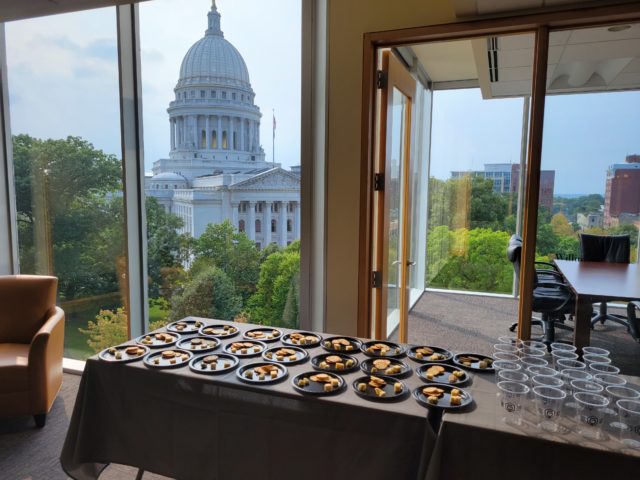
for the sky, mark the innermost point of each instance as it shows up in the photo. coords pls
(583, 134)
(63, 77)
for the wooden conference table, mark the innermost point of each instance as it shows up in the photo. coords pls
(598, 282)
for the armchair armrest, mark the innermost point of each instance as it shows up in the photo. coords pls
(45, 362)
(546, 271)
(553, 267)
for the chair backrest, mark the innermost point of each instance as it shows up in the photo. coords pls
(26, 301)
(514, 252)
(605, 248)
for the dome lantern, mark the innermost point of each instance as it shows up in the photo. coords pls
(214, 21)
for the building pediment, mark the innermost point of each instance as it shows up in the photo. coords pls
(274, 179)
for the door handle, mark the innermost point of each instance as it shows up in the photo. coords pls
(411, 263)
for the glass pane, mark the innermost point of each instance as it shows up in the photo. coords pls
(223, 182)
(64, 100)
(394, 196)
(591, 140)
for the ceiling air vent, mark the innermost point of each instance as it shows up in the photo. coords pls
(492, 54)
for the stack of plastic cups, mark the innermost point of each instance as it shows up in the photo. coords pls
(613, 425)
(629, 411)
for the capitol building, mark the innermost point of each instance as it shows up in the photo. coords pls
(216, 168)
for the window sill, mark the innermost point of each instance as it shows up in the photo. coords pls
(74, 367)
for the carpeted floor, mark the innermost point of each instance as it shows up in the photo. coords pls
(470, 323)
(29, 453)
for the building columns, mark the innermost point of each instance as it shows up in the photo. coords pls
(251, 227)
(184, 132)
(219, 133)
(242, 147)
(283, 224)
(207, 136)
(266, 228)
(172, 123)
(234, 215)
(196, 133)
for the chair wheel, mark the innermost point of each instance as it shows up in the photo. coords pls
(512, 328)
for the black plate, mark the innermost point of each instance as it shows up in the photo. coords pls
(286, 339)
(219, 367)
(395, 350)
(370, 393)
(317, 388)
(156, 343)
(185, 344)
(443, 402)
(191, 326)
(269, 334)
(354, 343)
(367, 367)
(282, 373)
(249, 353)
(300, 354)
(126, 358)
(444, 376)
(412, 353)
(317, 360)
(208, 330)
(474, 365)
(149, 360)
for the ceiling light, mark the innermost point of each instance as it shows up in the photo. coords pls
(619, 28)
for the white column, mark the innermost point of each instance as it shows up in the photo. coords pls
(242, 147)
(234, 215)
(207, 133)
(196, 133)
(296, 221)
(283, 224)
(184, 131)
(219, 133)
(232, 128)
(251, 227)
(266, 227)
(172, 126)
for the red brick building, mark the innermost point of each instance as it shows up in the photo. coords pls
(547, 183)
(622, 191)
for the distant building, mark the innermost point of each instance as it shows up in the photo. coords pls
(505, 179)
(216, 169)
(622, 192)
(590, 220)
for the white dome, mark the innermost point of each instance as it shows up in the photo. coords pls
(213, 60)
(168, 177)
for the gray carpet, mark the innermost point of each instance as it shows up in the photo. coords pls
(29, 453)
(469, 323)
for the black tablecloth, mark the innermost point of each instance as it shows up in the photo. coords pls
(190, 426)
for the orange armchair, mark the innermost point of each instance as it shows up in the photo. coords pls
(31, 346)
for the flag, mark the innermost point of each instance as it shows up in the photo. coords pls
(274, 123)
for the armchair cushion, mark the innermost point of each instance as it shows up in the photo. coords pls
(14, 367)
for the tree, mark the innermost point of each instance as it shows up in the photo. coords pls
(546, 240)
(561, 226)
(210, 294)
(488, 209)
(232, 252)
(276, 299)
(108, 329)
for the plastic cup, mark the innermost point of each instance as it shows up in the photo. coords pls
(505, 347)
(513, 376)
(534, 344)
(512, 397)
(510, 340)
(609, 380)
(596, 368)
(548, 402)
(547, 381)
(630, 416)
(590, 414)
(545, 371)
(571, 364)
(504, 365)
(590, 358)
(557, 355)
(527, 362)
(564, 347)
(511, 357)
(612, 419)
(575, 386)
(595, 351)
(531, 352)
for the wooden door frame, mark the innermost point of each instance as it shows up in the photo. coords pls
(537, 23)
(398, 76)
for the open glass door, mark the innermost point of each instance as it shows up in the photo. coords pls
(392, 225)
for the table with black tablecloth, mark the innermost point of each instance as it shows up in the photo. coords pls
(187, 425)
(478, 444)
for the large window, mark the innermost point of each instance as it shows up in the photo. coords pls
(64, 106)
(224, 243)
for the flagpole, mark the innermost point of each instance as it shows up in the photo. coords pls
(273, 140)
